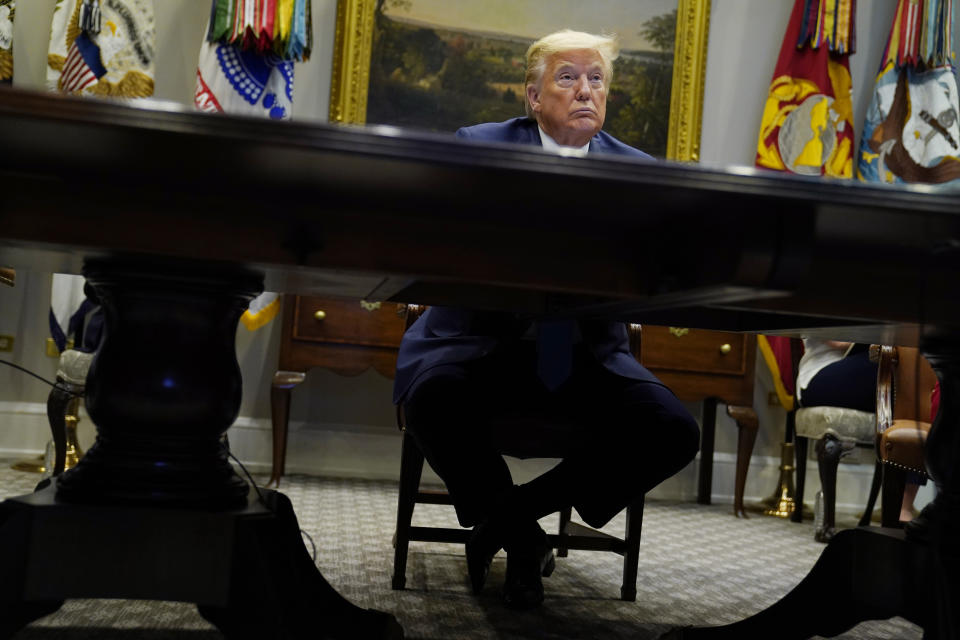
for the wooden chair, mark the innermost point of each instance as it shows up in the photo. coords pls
(63, 406)
(538, 441)
(837, 431)
(65, 399)
(902, 374)
(903, 414)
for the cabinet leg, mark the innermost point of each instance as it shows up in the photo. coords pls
(747, 424)
(280, 392)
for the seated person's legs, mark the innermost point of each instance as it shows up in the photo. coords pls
(629, 436)
(445, 414)
(632, 436)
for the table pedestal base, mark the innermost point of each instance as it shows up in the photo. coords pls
(246, 569)
(868, 573)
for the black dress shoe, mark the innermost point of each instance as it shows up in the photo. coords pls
(527, 561)
(483, 544)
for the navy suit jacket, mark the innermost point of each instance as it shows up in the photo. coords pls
(444, 335)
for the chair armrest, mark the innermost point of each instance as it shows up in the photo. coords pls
(886, 363)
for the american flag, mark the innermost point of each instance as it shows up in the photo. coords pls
(83, 66)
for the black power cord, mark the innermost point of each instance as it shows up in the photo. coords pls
(226, 442)
(55, 385)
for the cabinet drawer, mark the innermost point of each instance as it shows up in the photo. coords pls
(693, 350)
(341, 321)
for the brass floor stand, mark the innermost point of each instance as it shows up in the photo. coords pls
(782, 503)
(74, 452)
(31, 465)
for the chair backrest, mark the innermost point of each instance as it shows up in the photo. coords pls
(905, 381)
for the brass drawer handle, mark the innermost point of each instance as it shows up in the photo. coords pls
(370, 306)
(320, 315)
(679, 332)
(725, 348)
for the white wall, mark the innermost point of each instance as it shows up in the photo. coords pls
(345, 426)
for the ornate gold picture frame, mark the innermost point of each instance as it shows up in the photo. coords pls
(354, 42)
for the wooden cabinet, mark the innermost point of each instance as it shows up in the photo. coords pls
(349, 337)
(345, 336)
(709, 367)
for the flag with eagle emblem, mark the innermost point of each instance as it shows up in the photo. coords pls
(912, 131)
(807, 125)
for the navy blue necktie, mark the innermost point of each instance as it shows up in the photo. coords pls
(555, 351)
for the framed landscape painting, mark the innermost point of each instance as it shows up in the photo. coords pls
(440, 65)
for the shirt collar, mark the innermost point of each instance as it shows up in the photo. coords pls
(549, 144)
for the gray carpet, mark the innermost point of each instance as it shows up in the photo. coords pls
(698, 565)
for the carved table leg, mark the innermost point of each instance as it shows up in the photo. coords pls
(748, 424)
(162, 391)
(280, 391)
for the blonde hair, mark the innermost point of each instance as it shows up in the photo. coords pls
(567, 40)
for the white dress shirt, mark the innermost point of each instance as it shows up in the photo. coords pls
(549, 144)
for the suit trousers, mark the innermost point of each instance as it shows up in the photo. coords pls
(625, 436)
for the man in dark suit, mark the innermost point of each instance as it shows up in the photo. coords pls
(459, 370)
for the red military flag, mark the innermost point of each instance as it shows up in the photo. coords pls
(807, 125)
(777, 353)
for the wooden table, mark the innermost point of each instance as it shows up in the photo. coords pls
(178, 218)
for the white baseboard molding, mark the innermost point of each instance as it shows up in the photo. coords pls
(373, 452)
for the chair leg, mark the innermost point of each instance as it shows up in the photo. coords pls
(562, 547)
(800, 448)
(894, 482)
(631, 556)
(874, 492)
(829, 450)
(411, 468)
(57, 403)
(707, 434)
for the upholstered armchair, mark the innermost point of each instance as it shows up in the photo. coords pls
(903, 414)
(897, 431)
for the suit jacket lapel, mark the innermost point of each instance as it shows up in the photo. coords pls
(533, 133)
